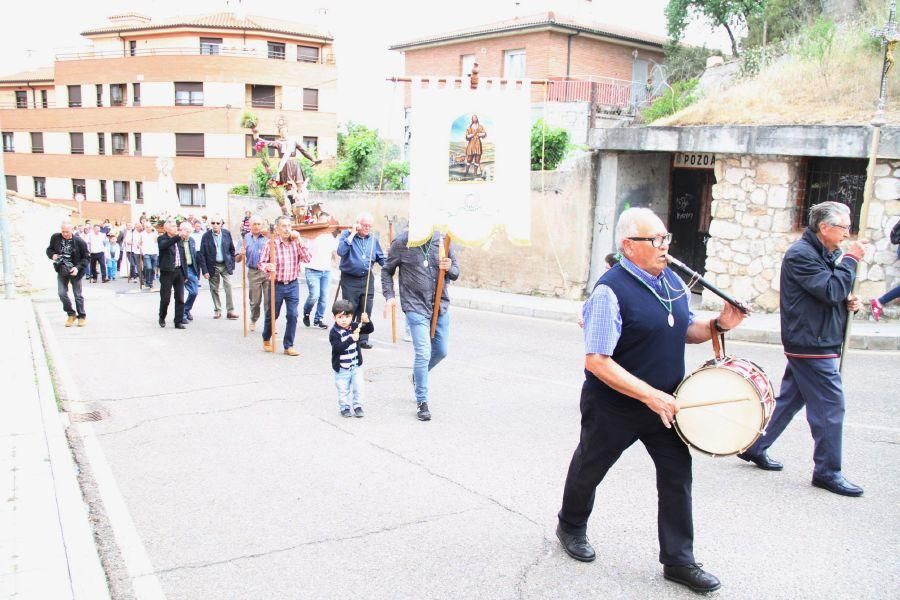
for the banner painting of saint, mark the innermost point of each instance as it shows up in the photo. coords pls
(471, 150)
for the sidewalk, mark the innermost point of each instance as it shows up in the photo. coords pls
(760, 328)
(46, 542)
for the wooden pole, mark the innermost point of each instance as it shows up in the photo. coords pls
(443, 252)
(272, 286)
(244, 282)
(393, 307)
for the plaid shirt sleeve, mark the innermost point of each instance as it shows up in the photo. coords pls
(602, 322)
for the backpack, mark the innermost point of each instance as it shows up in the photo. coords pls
(895, 233)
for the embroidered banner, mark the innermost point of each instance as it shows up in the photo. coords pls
(470, 161)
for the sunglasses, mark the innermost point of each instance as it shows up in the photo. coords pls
(216, 223)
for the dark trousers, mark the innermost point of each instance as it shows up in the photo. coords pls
(890, 296)
(289, 295)
(192, 286)
(167, 281)
(815, 383)
(62, 286)
(98, 266)
(133, 268)
(354, 290)
(606, 432)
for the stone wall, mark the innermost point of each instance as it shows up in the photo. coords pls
(881, 269)
(31, 226)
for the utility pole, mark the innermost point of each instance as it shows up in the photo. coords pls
(5, 244)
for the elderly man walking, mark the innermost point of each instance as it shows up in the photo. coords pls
(150, 251)
(257, 280)
(70, 259)
(359, 250)
(284, 267)
(96, 245)
(171, 274)
(191, 269)
(816, 295)
(217, 264)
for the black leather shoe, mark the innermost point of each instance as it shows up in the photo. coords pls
(693, 577)
(306, 320)
(180, 326)
(576, 546)
(320, 325)
(838, 485)
(762, 461)
(365, 345)
(162, 323)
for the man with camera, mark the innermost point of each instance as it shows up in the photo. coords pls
(70, 259)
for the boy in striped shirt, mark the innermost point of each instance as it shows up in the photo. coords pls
(346, 357)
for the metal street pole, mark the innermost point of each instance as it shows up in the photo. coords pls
(5, 244)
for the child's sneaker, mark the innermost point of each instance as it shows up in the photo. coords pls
(877, 310)
(345, 412)
(359, 411)
(423, 414)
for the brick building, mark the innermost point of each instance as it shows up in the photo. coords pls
(95, 124)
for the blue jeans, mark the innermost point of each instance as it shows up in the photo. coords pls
(192, 286)
(151, 261)
(317, 284)
(112, 269)
(289, 294)
(429, 352)
(349, 384)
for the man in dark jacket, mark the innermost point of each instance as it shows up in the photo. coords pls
(816, 295)
(217, 264)
(171, 274)
(191, 268)
(70, 258)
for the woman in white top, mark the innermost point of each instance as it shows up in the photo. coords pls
(151, 254)
(318, 274)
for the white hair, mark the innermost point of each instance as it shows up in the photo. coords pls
(364, 215)
(185, 225)
(826, 212)
(627, 225)
(172, 221)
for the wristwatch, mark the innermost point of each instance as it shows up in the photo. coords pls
(718, 327)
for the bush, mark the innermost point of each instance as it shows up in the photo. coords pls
(240, 190)
(395, 174)
(677, 97)
(549, 146)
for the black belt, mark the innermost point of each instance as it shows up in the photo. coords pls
(286, 282)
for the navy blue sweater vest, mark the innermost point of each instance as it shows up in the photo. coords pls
(648, 348)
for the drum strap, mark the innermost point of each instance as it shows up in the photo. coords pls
(718, 340)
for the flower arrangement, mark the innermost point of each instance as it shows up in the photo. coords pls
(249, 120)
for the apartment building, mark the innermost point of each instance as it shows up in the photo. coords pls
(153, 102)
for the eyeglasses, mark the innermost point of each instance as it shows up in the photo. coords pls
(656, 241)
(844, 227)
(216, 223)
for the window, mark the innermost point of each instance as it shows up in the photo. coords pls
(273, 152)
(101, 144)
(117, 94)
(138, 149)
(276, 50)
(188, 93)
(262, 96)
(99, 88)
(37, 143)
(76, 143)
(190, 194)
(188, 144)
(120, 143)
(9, 143)
(40, 187)
(308, 54)
(838, 179)
(12, 183)
(21, 99)
(74, 96)
(136, 94)
(120, 191)
(210, 46)
(466, 62)
(102, 190)
(132, 48)
(514, 64)
(78, 187)
(310, 99)
(43, 98)
(311, 144)
(139, 192)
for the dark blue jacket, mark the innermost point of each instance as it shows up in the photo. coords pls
(207, 252)
(814, 293)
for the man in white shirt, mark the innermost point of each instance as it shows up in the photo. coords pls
(318, 274)
(129, 249)
(95, 242)
(151, 254)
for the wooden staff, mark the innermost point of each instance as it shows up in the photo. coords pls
(273, 261)
(393, 306)
(443, 252)
(244, 282)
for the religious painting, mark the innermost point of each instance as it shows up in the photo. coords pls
(471, 149)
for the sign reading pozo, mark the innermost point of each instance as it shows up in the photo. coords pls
(694, 160)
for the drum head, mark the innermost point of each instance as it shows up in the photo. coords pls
(718, 429)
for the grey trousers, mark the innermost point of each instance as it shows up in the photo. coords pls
(258, 284)
(220, 273)
(62, 286)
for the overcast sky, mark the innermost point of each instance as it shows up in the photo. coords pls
(362, 30)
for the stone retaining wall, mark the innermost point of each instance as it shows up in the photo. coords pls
(31, 226)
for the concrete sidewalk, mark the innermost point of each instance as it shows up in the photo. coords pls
(47, 545)
(760, 328)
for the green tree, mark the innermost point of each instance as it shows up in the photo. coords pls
(730, 14)
(779, 20)
(549, 146)
(686, 62)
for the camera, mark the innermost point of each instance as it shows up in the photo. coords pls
(63, 265)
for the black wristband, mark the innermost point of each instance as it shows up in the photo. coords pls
(719, 327)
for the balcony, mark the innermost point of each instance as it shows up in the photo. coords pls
(606, 94)
(198, 50)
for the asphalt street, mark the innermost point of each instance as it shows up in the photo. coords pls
(242, 480)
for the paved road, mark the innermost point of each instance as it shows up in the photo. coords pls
(243, 481)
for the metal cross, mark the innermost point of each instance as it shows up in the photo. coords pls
(888, 36)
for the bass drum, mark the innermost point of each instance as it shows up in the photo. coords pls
(724, 406)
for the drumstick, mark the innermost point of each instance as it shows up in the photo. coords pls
(713, 403)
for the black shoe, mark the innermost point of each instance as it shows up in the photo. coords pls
(306, 320)
(358, 411)
(345, 412)
(188, 317)
(762, 461)
(180, 326)
(423, 414)
(838, 485)
(576, 546)
(693, 577)
(162, 322)
(365, 345)
(320, 325)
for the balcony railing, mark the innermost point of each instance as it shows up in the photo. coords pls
(604, 92)
(325, 59)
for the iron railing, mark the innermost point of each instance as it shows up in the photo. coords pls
(603, 92)
(204, 50)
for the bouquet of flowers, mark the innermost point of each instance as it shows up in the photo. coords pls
(249, 120)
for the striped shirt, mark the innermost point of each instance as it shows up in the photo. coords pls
(288, 258)
(349, 357)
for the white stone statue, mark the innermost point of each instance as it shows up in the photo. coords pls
(166, 195)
